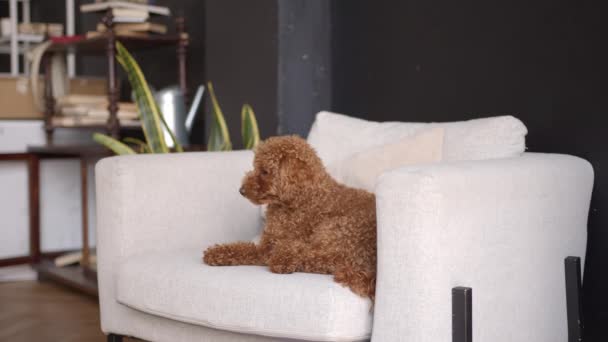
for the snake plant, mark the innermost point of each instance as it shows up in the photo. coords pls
(249, 127)
(219, 137)
(113, 144)
(153, 122)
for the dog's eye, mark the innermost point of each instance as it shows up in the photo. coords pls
(264, 172)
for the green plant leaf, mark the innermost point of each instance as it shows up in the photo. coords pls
(143, 147)
(112, 144)
(219, 137)
(249, 127)
(149, 113)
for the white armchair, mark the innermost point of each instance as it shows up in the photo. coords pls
(502, 226)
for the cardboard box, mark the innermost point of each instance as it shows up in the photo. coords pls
(16, 100)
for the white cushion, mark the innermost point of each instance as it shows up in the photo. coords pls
(337, 136)
(245, 299)
(362, 169)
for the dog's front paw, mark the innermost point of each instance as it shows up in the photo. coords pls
(232, 254)
(215, 255)
(221, 255)
(283, 263)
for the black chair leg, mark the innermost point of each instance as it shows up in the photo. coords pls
(574, 298)
(114, 338)
(462, 299)
(462, 314)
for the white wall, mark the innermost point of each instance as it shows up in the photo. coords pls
(14, 240)
(60, 206)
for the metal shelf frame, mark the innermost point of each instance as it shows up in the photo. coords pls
(16, 47)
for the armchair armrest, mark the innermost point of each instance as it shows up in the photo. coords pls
(502, 227)
(154, 202)
(160, 202)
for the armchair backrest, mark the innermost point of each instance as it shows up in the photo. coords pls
(337, 136)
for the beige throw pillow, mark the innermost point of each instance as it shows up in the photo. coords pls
(361, 170)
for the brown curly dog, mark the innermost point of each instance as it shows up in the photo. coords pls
(313, 223)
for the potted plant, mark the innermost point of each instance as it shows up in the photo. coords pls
(153, 122)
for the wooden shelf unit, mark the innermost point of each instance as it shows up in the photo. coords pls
(98, 45)
(106, 44)
(81, 277)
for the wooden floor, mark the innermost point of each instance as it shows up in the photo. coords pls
(31, 311)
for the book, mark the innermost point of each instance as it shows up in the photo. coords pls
(129, 34)
(101, 6)
(68, 259)
(129, 15)
(32, 38)
(88, 107)
(79, 104)
(73, 258)
(54, 30)
(79, 110)
(32, 28)
(76, 121)
(135, 27)
(122, 114)
(81, 99)
(97, 113)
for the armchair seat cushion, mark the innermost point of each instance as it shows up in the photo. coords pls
(244, 299)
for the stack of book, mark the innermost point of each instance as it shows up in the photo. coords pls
(131, 18)
(29, 32)
(87, 110)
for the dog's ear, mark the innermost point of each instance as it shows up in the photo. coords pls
(295, 169)
(294, 174)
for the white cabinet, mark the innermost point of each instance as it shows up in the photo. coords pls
(60, 206)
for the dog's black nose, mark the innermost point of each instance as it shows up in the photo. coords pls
(242, 191)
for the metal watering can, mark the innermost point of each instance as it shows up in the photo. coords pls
(172, 104)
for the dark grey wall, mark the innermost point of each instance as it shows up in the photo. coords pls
(241, 59)
(304, 69)
(543, 61)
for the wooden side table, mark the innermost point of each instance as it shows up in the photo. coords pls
(82, 277)
(34, 207)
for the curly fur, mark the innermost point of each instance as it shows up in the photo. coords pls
(313, 223)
